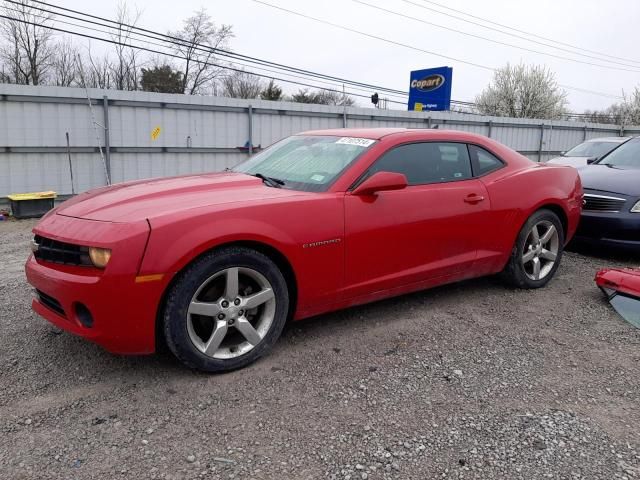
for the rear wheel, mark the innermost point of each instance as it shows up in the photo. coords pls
(226, 310)
(537, 252)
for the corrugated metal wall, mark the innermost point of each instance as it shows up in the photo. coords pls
(198, 134)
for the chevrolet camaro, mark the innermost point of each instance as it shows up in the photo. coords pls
(215, 264)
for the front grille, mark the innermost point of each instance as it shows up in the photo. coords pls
(602, 203)
(50, 302)
(54, 251)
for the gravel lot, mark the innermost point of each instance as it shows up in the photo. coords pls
(471, 380)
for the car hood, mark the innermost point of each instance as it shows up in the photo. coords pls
(570, 161)
(140, 200)
(615, 180)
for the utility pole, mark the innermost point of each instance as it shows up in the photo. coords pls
(95, 124)
(344, 107)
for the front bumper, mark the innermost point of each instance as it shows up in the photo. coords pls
(615, 229)
(123, 311)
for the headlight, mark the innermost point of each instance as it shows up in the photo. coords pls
(636, 207)
(99, 256)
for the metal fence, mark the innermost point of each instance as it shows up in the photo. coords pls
(149, 134)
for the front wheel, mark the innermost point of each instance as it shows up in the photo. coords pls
(226, 310)
(537, 252)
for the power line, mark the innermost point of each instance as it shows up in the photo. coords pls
(388, 92)
(469, 104)
(172, 40)
(221, 52)
(386, 40)
(234, 55)
(554, 42)
(235, 62)
(137, 47)
(370, 35)
(119, 25)
(393, 12)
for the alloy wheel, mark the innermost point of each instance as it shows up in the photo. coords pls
(231, 312)
(540, 250)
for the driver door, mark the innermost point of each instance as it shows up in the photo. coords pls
(426, 230)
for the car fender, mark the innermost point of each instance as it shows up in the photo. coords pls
(308, 235)
(516, 196)
(199, 238)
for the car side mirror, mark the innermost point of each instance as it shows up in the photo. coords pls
(381, 182)
(591, 160)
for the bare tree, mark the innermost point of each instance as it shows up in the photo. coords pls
(94, 71)
(626, 112)
(27, 50)
(612, 114)
(119, 71)
(330, 97)
(64, 65)
(11, 60)
(199, 38)
(523, 92)
(241, 85)
(124, 69)
(322, 97)
(631, 108)
(4, 76)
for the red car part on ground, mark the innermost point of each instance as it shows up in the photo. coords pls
(364, 236)
(622, 288)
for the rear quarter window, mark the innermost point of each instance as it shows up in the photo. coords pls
(483, 161)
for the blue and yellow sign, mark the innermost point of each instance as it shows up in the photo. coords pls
(430, 89)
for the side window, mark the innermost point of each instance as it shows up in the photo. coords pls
(429, 162)
(483, 161)
(451, 162)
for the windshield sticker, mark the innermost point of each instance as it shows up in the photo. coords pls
(360, 142)
(316, 177)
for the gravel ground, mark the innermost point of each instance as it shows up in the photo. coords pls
(471, 380)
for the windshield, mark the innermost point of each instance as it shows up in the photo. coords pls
(627, 156)
(591, 149)
(309, 163)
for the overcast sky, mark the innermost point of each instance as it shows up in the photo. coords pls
(609, 28)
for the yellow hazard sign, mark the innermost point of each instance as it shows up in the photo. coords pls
(155, 133)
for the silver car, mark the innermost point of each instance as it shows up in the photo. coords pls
(589, 151)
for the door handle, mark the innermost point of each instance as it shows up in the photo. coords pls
(474, 198)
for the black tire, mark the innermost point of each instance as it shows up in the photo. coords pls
(179, 297)
(514, 272)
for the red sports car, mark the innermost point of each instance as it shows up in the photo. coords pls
(215, 264)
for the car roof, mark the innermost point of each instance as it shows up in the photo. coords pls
(378, 133)
(609, 139)
(410, 134)
(370, 133)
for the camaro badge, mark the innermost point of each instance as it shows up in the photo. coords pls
(322, 243)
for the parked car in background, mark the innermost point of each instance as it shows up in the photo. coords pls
(217, 263)
(588, 152)
(611, 211)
